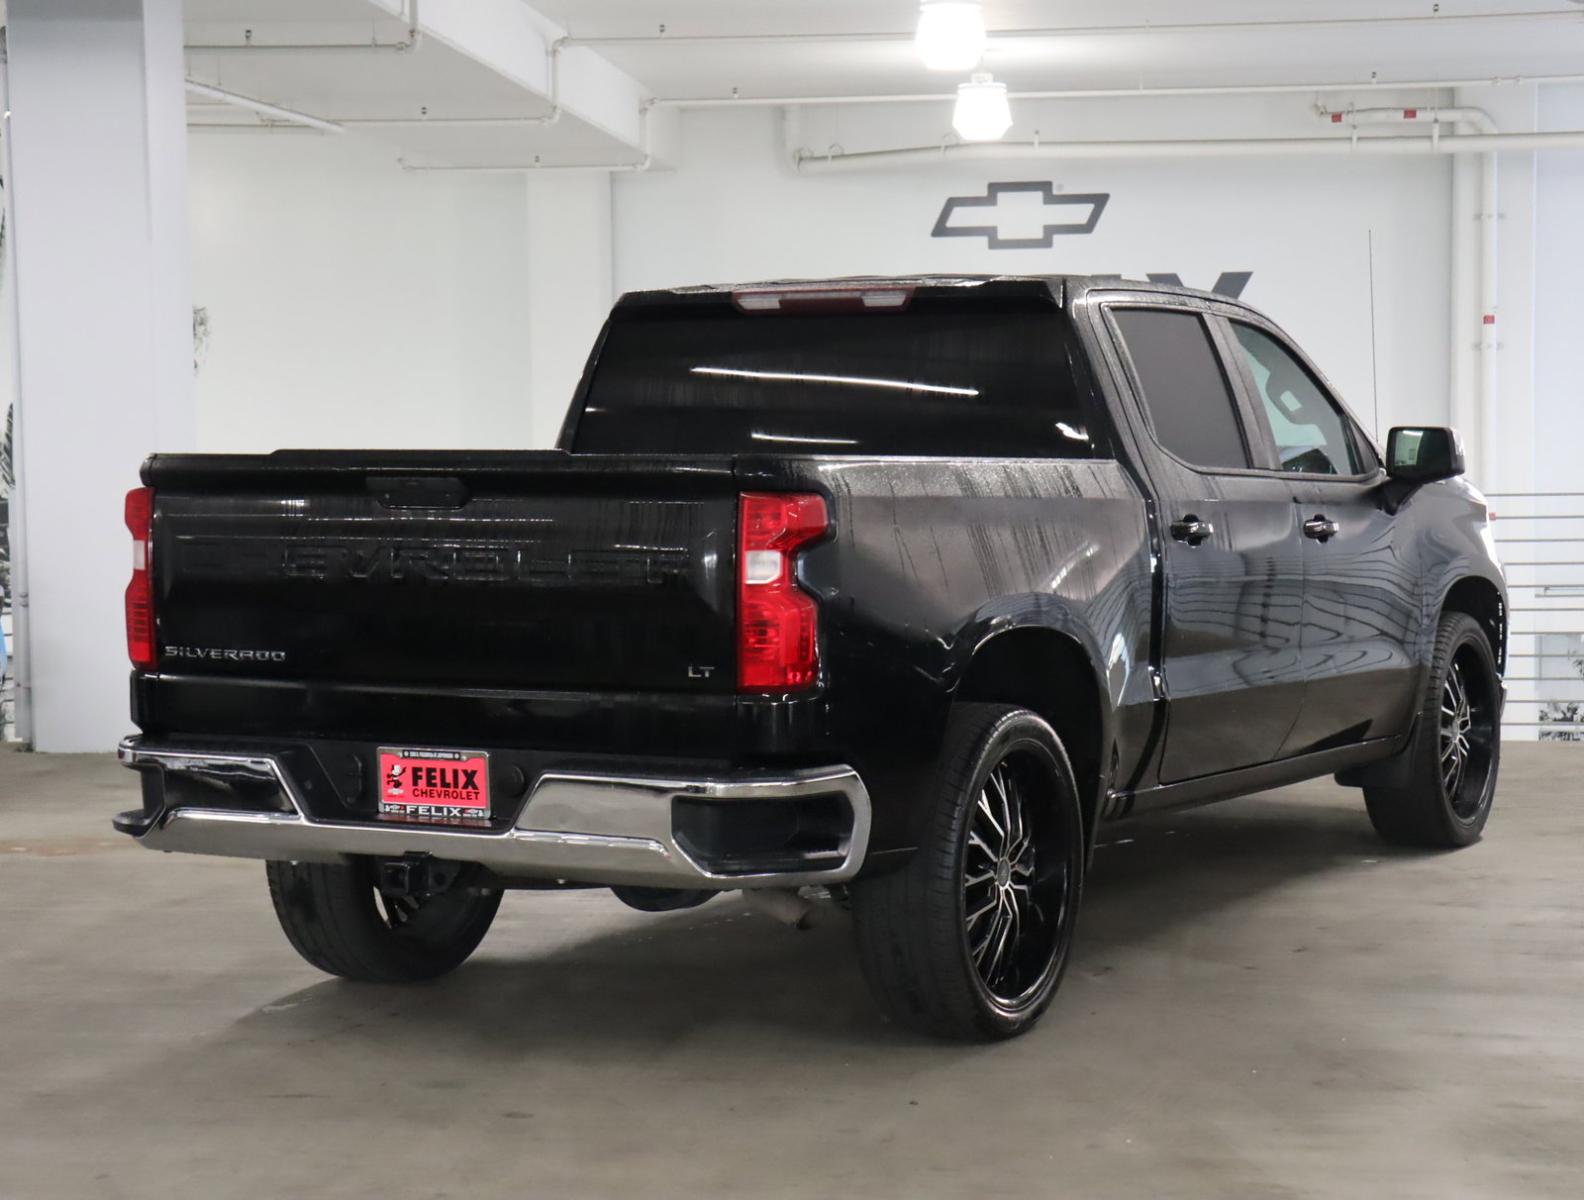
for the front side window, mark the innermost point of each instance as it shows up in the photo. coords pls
(1189, 402)
(1309, 430)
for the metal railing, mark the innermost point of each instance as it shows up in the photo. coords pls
(7, 678)
(1540, 537)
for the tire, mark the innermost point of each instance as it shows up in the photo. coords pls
(1443, 792)
(938, 960)
(335, 917)
(659, 899)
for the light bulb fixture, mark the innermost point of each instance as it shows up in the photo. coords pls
(982, 113)
(951, 34)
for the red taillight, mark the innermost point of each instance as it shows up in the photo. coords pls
(140, 592)
(777, 622)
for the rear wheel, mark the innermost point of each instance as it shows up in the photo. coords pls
(970, 939)
(338, 918)
(1456, 749)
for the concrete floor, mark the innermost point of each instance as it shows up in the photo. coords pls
(1266, 1003)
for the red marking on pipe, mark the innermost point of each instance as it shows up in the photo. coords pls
(1336, 118)
(1490, 318)
(1410, 114)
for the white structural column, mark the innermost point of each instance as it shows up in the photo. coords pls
(98, 183)
(569, 259)
(1506, 421)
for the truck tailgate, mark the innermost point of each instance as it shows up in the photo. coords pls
(516, 570)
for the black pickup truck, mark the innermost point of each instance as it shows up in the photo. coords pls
(892, 591)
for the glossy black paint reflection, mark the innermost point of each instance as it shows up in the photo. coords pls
(513, 586)
(577, 607)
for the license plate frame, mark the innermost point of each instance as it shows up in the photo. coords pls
(434, 786)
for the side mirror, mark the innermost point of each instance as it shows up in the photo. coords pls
(1423, 453)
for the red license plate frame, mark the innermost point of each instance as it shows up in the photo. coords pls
(430, 786)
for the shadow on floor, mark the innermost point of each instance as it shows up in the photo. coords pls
(721, 967)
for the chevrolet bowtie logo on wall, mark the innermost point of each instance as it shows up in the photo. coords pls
(1030, 215)
(1020, 216)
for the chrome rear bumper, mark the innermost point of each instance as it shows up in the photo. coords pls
(583, 827)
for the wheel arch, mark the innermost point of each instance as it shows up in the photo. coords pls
(1484, 601)
(1473, 595)
(1049, 671)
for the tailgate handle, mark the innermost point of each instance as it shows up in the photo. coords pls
(419, 491)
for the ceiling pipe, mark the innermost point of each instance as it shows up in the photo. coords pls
(1487, 398)
(412, 41)
(232, 128)
(546, 118)
(811, 162)
(550, 117)
(642, 164)
(536, 168)
(1068, 31)
(1246, 89)
(1476, 118)
(262, 107)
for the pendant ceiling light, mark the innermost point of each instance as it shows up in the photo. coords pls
(982, 113)
(951, 34)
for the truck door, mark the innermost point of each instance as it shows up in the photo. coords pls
(1361, 591)
(1232, 549)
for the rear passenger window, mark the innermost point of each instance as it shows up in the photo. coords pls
(1186, 394)
(1310, 432)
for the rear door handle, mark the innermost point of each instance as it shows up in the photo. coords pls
(1191, 530)
(1320, 528)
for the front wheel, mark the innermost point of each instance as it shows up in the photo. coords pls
(337, 917)
(1449, 772)
(970, 939)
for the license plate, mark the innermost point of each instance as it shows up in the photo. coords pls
(444, 786)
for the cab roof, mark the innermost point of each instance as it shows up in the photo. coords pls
(1057, 287)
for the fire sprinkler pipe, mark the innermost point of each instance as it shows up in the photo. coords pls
(811, 162)
(263, 108)
(1303, 24)
(1486, 400)
(1227, 89)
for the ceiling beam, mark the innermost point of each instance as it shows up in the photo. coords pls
(521, 44)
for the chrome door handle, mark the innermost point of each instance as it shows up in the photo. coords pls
(1320, 528)
(1191, 530)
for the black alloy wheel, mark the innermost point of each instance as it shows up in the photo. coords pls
(1016, 882)
(970, 936)
(1437, 793)
(1467, 733)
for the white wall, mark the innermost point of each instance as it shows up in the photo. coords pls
(352, 304)
(1559, 301)
(569, 238)
(1303, 227)
(99, 242)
